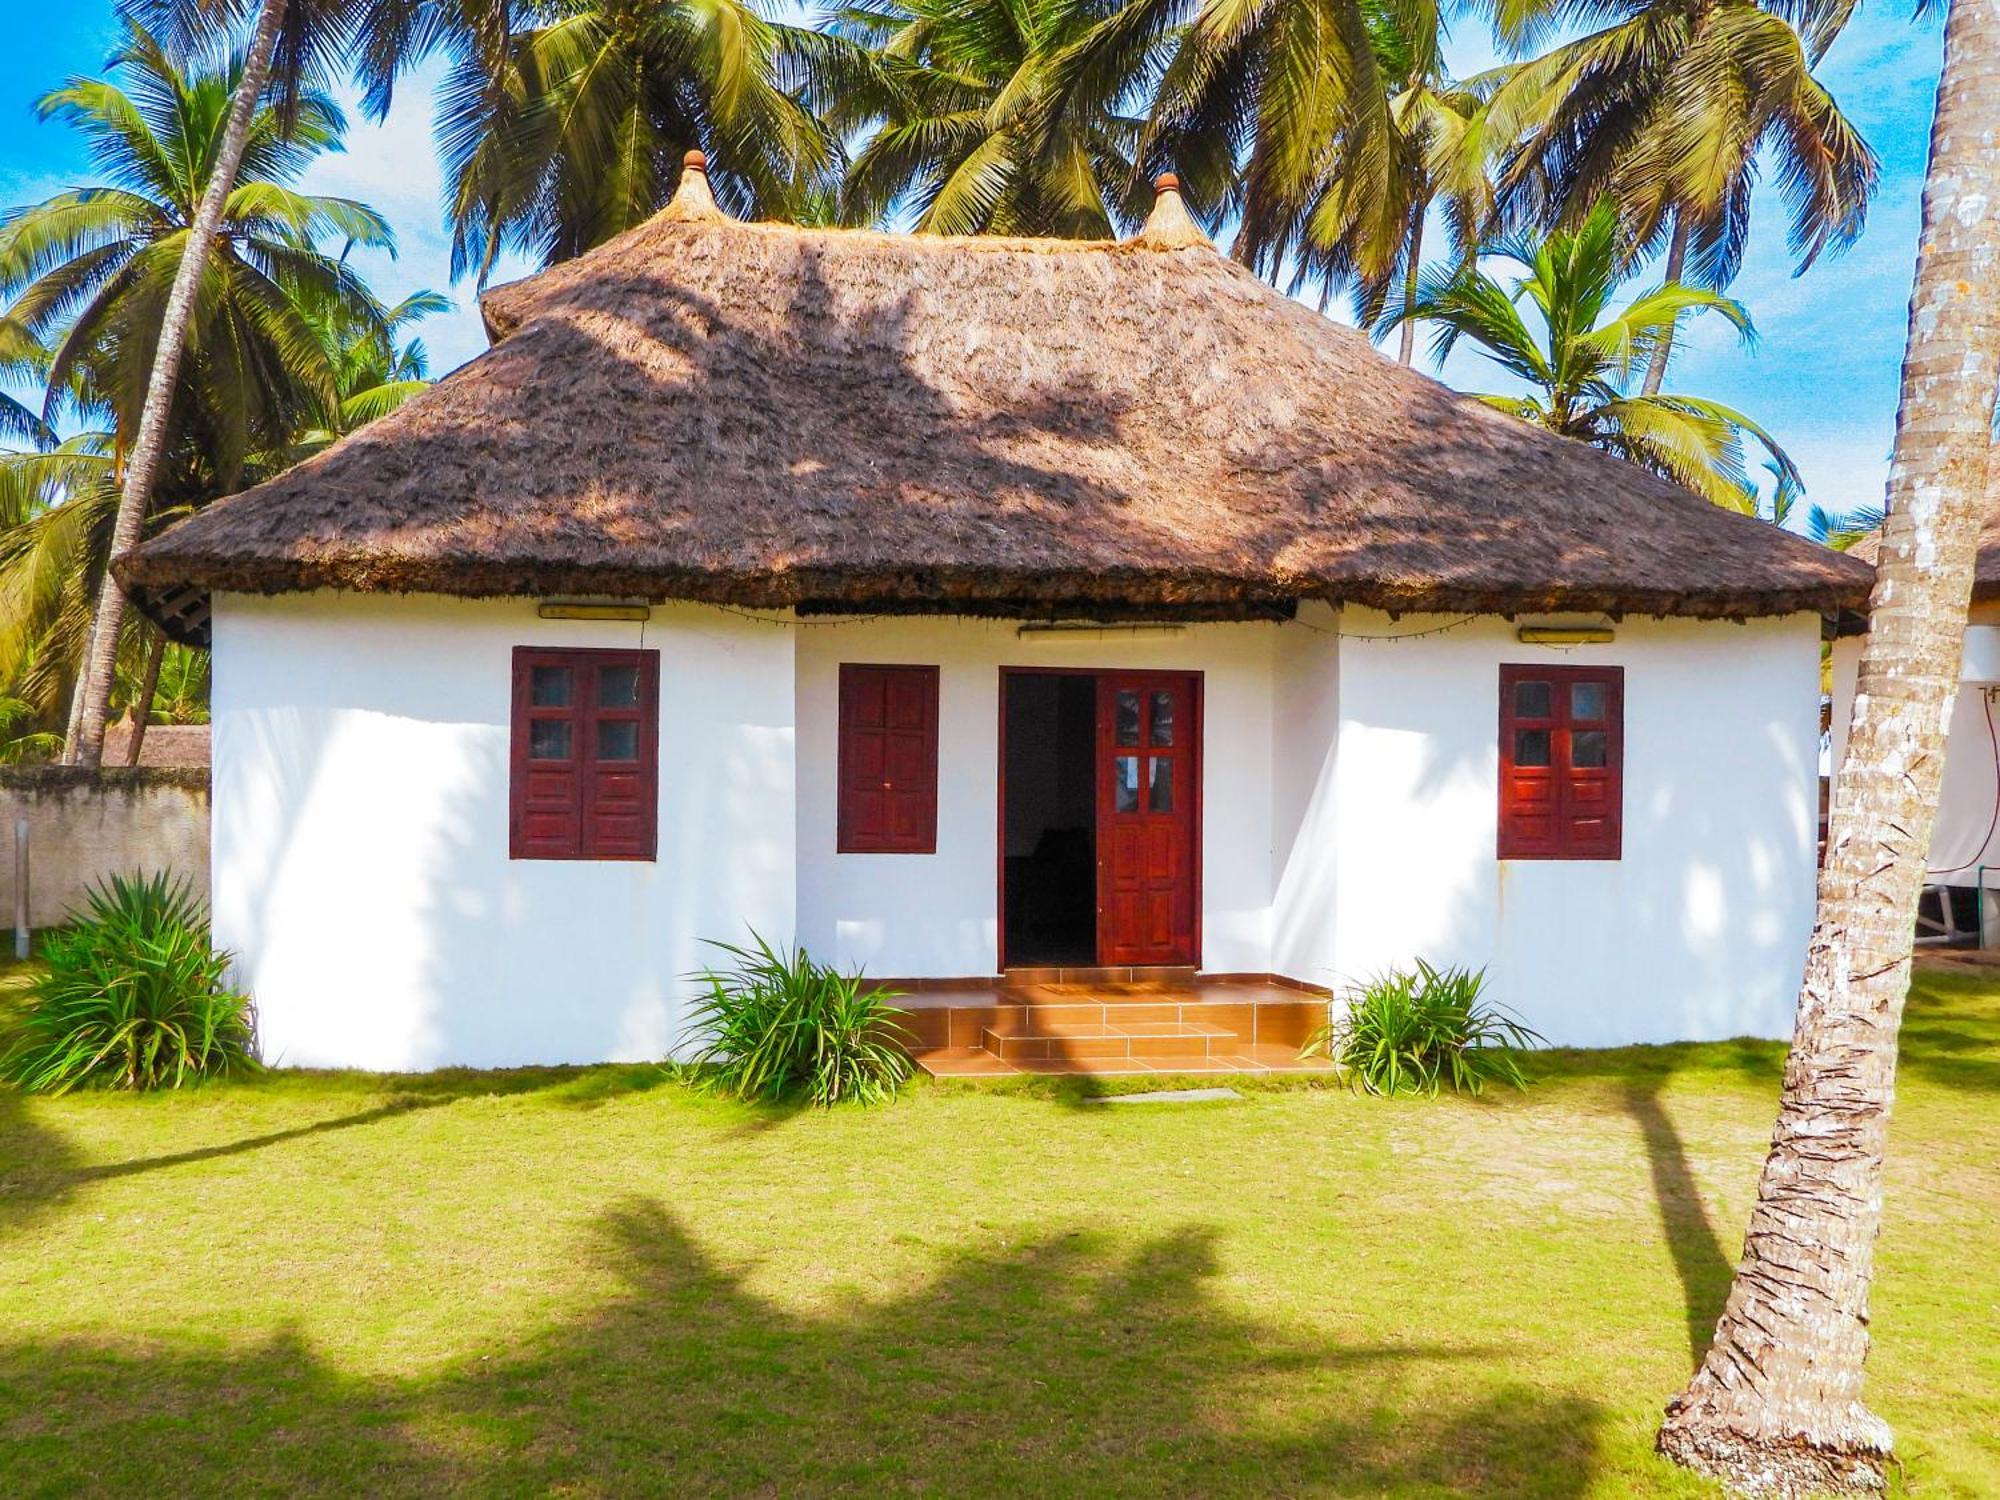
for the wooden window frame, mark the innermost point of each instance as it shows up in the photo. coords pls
(1568, 792)
(588, 840)
(848, 838)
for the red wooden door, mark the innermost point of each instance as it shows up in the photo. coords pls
(1146, 794)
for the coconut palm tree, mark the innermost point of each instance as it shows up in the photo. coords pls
(56, 513)
(293, 42)
(89, 270)
(573, 128)
(19, 741)
(85, 743)
(304, 27)
(89, 273)
(1777, 1403)
(373, 373)
(56, 510)
(1326, 128)
(1586, 354)
(956, 135)
(1262, 107)
(1364, 228)
(21, 356)
(1667, 109)
(1843, 530)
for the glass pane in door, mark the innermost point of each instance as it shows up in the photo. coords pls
(1126, 718)
(1125, 783)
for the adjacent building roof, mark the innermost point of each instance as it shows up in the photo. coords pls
(769, 416)
(164, 744)
(1985, 563)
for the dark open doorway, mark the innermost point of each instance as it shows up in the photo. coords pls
(1049, 815)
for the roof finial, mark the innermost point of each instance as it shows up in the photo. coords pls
(1170, 226)
(692, 201)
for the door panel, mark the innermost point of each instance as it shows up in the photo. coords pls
(1146, 765)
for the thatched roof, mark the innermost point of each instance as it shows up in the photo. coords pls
(764, 415)
(164, 744)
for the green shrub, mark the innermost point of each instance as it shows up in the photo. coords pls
(1413, 1033)
(778, 1023)
(132, 996)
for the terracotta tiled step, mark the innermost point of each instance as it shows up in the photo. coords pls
(1237, 1058)
(961, 1062)
(1036, 1038)
(1285, 1022)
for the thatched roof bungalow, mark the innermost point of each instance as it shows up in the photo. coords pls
(963, 608)
(771, 417)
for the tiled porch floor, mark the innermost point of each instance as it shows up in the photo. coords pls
(1137, 1027)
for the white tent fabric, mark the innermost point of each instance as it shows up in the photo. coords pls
(1967, 835)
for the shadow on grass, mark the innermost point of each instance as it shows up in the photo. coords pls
(1740, 1060)
(577, 1086)
(1951, 1029)
(1061, 1367)
(388, 1111)
(37, 1165)
(1704, 1268)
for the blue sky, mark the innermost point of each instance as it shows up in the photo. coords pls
(1822, 377)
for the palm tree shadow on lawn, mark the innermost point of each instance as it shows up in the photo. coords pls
(1063, 1366)
(38, 1166)
(1700, 1262)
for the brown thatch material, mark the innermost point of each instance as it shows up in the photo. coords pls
(164, 744)
(770, 416)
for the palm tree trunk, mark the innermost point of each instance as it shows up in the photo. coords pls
(1413, 266)
(87, 742)
(1776, 1406)
(1677, 254)
(142, 706)
(68, 754)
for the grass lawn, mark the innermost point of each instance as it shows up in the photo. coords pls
(590, 1282)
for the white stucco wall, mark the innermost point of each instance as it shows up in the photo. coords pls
(1698, 931)
(937, 915)
(361, 872)
(1305, 828)
(1349, 799)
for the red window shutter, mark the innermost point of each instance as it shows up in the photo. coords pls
(1593, 782)
(546, 812)
(584, 767)
(1562, 754)
(622, 792)
(887, 770)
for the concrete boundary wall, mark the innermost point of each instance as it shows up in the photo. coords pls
(86, 825)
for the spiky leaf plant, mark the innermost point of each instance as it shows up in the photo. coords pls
(1415, 1032)
(132, 996)
(778, 1024)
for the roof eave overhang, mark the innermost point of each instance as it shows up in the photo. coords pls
(174, 593)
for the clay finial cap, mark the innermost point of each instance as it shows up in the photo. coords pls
(1170, 226)
(692, 201)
